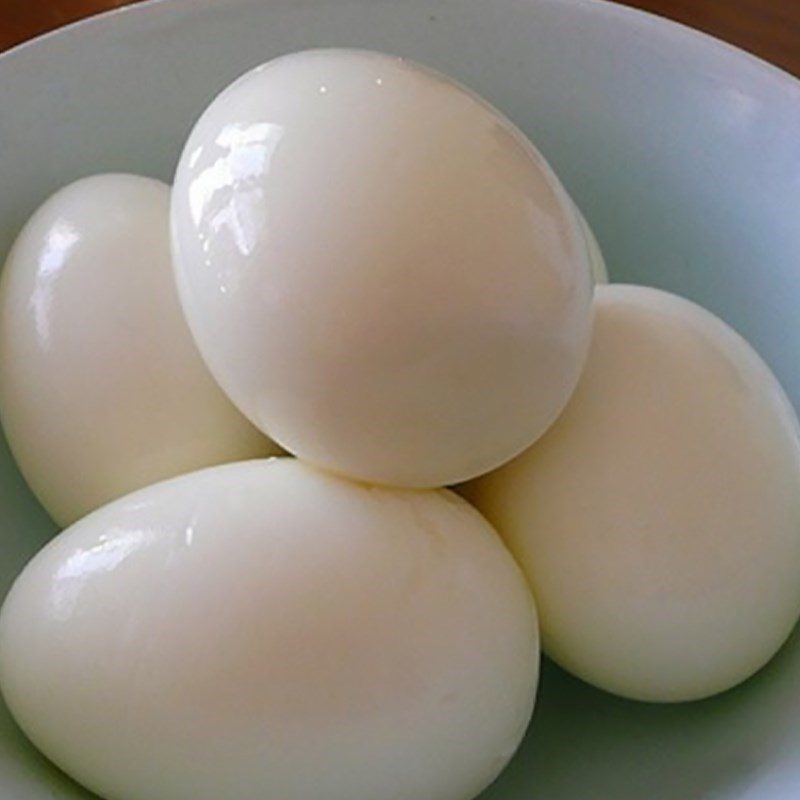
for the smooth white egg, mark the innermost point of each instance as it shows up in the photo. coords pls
(659, 519)
(380, 270)
(102, 389)
(264, 630)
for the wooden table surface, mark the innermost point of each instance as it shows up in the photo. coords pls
(768, 28)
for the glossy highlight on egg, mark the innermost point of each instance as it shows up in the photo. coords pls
(379, 269)
(264, 630)
(102, 390)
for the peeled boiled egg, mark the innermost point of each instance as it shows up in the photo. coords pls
(658, 521)
(102, 389)
(264, 630)
(378, 268)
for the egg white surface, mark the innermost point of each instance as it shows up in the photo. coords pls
(102, 390)
(658, 521)
(596, 259)
(379, 268)
(264, 630)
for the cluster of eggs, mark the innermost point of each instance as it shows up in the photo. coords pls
(372, 267)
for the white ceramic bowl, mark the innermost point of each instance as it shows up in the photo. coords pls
(684, 155)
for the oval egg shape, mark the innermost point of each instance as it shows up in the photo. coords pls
(658, 521)
(102, 390)
(380, 269)
(262, 630)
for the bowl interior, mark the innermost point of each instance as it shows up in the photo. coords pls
(684, 155)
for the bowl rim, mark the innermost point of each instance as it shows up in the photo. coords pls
(646, 21)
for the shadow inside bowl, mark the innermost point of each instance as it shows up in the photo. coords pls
(739, 744)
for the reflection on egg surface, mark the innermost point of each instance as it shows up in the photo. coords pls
(264, 630)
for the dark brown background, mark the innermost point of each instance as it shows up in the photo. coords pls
(768, 28)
